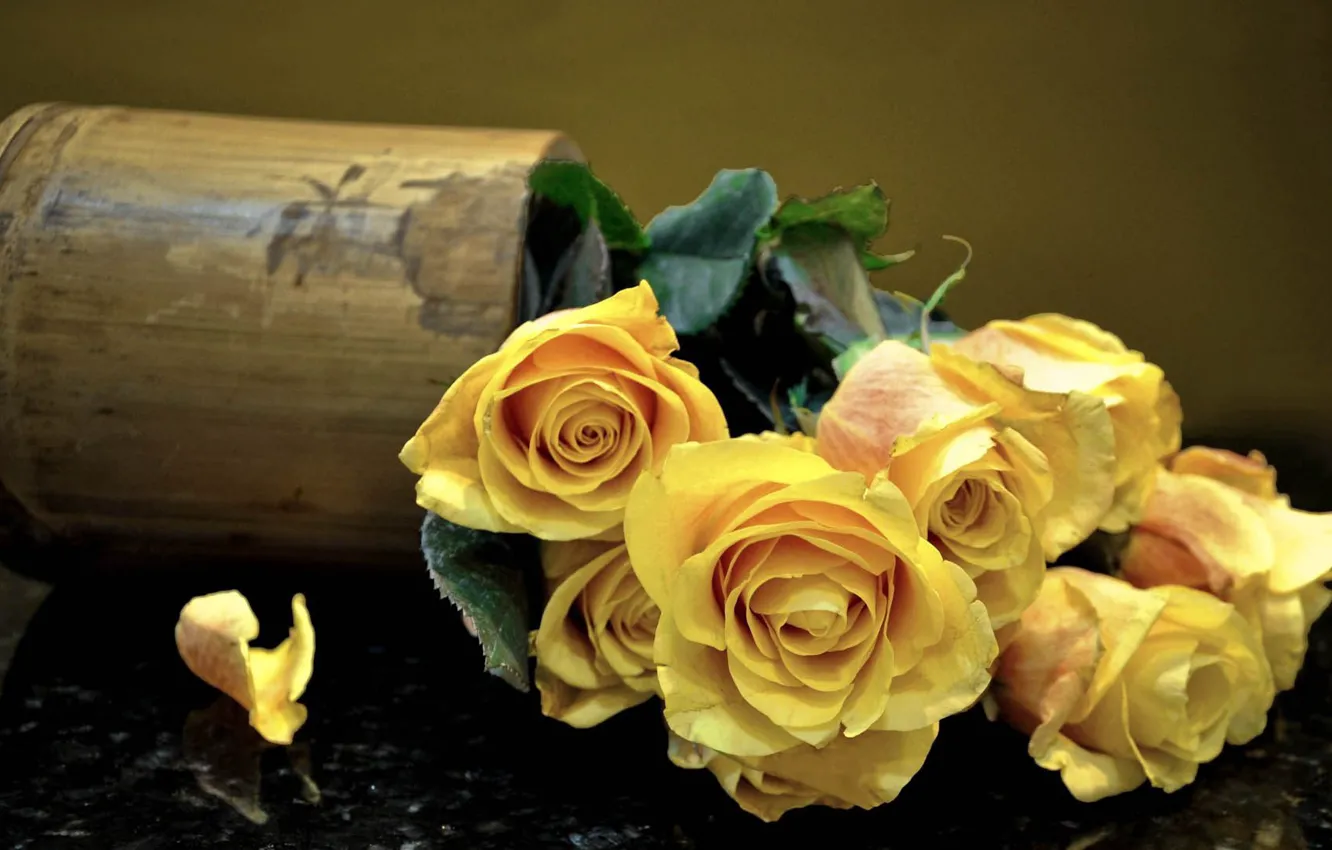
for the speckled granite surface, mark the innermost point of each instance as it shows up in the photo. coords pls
(106, 741)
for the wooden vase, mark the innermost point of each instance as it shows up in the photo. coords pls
(217, 332)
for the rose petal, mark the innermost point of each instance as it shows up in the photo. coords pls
(892, 394)
(1047, 668)
(543, 514)
(583, 709)
(1124, 616)
(633, 309)
(443, 452)
(951, 675)
(794, 440)
(213, 637)
(1151, 559)
(1249, 474)
(1213, 522)
(1224, 632)
(1089, 776)
(563, 645)
(1303, 547)
(703, 705)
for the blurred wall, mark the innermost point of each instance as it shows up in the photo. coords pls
(1162, 168)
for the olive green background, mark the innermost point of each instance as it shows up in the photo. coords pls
(1161, 167)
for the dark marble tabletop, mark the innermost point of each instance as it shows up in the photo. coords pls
(107, 741)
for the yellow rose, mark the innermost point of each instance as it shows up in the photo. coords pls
(796, 606)
(975, 488)
(866, 771)
(1057, 354)
(1072, 429)
(1118, 686)
(1216, 522)
(594, 644)
(795, 440)
(548, 435)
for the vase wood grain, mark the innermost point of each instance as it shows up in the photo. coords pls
(217, 332)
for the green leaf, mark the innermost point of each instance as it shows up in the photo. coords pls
(701, 252)
(843, 362)
(821, 266)
(574, 185)
(481, 573)
(862, 212)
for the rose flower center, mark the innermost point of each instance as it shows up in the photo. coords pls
(973, 514)
(584, 434)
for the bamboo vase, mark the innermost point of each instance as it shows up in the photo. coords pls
(217, 332)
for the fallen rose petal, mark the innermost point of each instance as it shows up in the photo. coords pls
(213, 637)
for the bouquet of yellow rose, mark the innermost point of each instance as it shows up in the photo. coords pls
(715, 469)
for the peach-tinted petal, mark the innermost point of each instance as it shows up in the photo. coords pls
(890, 394)
(1249, 474)
(213, 637)
(1213, 522)
(1079, 338)
(1151, 559)
(1048, 665)
(1044, 365)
